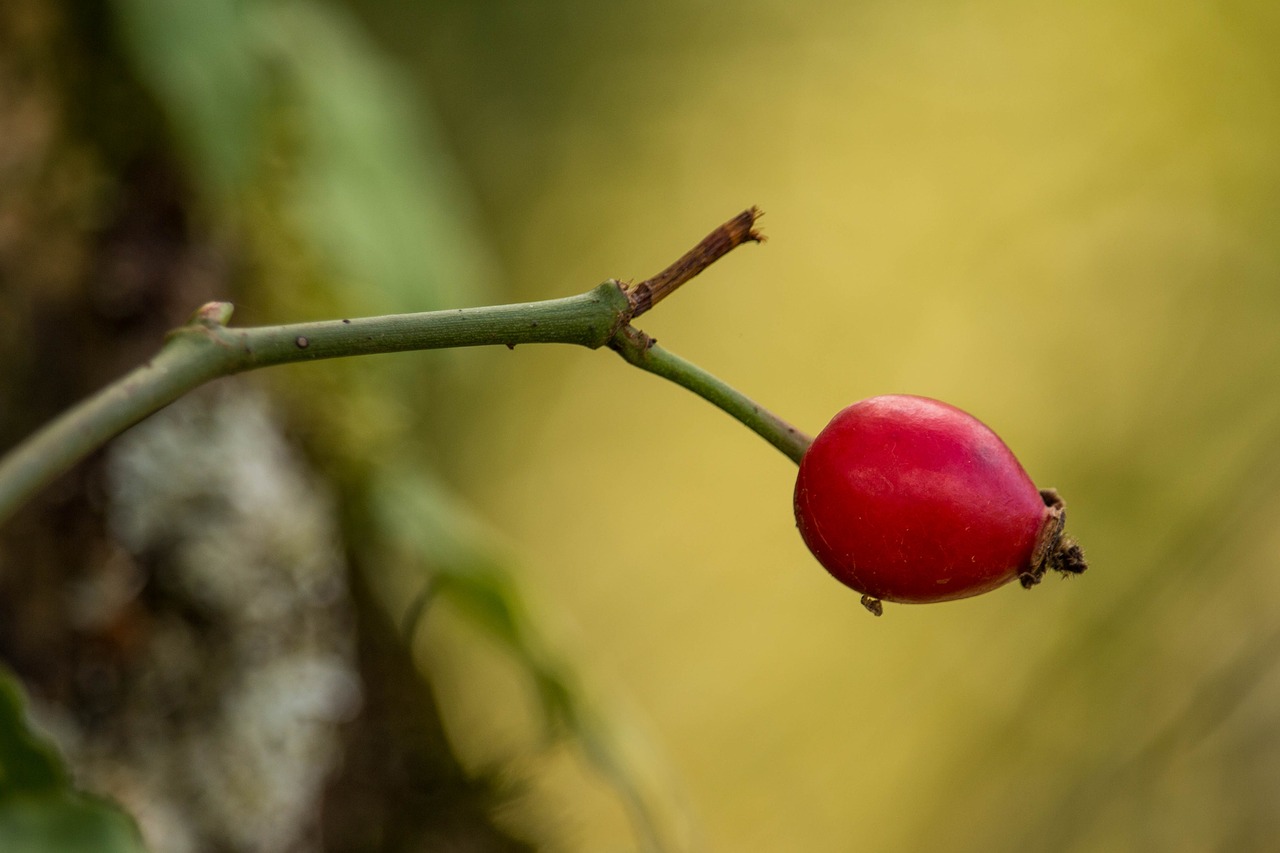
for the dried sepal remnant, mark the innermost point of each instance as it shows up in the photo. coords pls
(1054, 549)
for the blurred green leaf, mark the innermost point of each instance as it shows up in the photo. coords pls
(453, 551)
(27, 762)
(61, 821)
(39, 810)
(377, 191)
(373, 187)
(198, 58)
(444, 540)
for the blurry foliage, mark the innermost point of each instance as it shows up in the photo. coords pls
(40, 809)
(359, 183)
(474, 578)
(370, 187)
(197, 57)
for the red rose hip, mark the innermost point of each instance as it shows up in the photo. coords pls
(912, 500)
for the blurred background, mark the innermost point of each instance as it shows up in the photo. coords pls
(493, 600)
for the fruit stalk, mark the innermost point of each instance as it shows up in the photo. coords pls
(643, 351)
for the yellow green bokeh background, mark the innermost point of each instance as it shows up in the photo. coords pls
(1063, 219)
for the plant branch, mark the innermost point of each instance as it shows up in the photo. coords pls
(206, 348)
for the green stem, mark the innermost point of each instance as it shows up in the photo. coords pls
(588, 319)
(206, 348)
(640, 350)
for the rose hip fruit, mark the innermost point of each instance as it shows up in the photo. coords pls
(912, 500)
